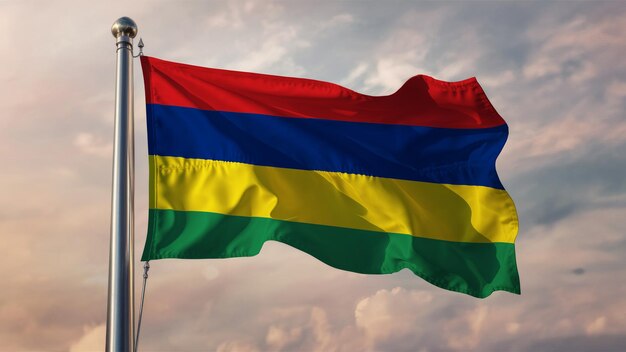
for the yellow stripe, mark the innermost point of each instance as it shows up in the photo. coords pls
(421, 209)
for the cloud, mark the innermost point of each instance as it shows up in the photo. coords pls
(389, 314)
(237, 346)
(90, 144)
(500, 79)
(576, 48)
(211, 273)
(272, 50)
(606, 342)
(617, 89)
(596, 326)
(93, 340)
(231, 17)
(355, 73)
(464, 332)
(278, 338)
(337, 20)
(566, 187)
(391, 73)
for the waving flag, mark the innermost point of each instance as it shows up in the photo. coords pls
(370, 184)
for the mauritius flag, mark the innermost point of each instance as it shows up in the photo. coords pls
(369, 184)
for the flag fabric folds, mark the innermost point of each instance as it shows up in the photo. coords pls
(370, 184)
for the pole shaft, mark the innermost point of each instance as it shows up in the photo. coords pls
(120, 308)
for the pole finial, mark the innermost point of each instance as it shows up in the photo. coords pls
(124, 26)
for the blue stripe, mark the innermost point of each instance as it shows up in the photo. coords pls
(441, 155)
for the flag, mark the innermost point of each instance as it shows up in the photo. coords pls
(369, 184)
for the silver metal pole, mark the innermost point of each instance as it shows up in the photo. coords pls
(121, 302)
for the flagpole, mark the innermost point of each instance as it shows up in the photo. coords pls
(121, 302)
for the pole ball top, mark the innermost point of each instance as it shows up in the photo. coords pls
(124, 26)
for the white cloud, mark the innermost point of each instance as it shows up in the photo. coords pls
(541, 66)
(321, 330)
(92, 340)
(391, 73)
(309, 329)
(512, 328)
(229, 18)
(90, 144)
(498, 80)
(237, 346)
(596, 326)
(274, 51)
(337, 20)
(464, 332)
(278, 338)
(390, 314)
(355, 74)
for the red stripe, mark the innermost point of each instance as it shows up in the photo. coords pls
(421, 101)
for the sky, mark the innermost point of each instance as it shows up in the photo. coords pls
(556, 72)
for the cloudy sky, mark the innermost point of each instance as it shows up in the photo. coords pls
(555, 71)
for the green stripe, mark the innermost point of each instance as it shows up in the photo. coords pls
(477, 269)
